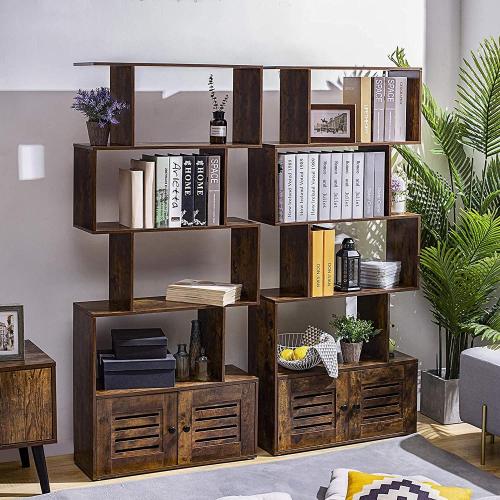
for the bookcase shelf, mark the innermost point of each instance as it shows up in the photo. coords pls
(143, 146)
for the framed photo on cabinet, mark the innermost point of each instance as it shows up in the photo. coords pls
(333, 123)
(11, 333)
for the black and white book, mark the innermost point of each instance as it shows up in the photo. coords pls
(281, 187)
(336, 187)
(346, 185)
(378, 117)
(161, 181)
(290, 187)
(325, 171)
(213, 183)
(312, 187)
(358, 173)
(187, 205)
(379, 183)
(369, 187)
(302, 183)
(175, 191)
(200, 191)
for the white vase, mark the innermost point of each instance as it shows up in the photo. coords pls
(398, 206)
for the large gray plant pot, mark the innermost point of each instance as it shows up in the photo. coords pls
(439, 398)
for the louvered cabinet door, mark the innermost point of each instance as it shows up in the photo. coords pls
(216, 424)
(136, 434)
(308, 412)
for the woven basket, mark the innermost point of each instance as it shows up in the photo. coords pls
(291, 341)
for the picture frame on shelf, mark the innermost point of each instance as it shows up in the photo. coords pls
(333, 123)
(11, 333)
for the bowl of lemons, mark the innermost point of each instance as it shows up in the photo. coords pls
(294, 353)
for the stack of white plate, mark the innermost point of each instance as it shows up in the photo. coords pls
(380, 274)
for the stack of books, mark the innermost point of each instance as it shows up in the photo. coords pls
(204, 292)
(380, 106)
(326, 186)
(379, 274)
(171, 191)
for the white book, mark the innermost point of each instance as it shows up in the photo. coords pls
(313, 187)
(390, 109)
(302, 183)
(130, 198)
(400, 109)
(289, 187)
(379, 183)
(369, 180)
(213, 188)
(281, 187)
(148, 168)
(378, 97)
(163, 183)
(325, 175)
(175, 192)
(358, 173)
(336, 187)
(346, 185)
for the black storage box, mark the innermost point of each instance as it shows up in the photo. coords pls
(138, 373)
(139, 343)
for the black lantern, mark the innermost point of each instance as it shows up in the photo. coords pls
(347, 267)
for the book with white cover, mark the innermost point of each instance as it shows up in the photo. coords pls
(378, 97)
(148, 168)
(313, 187)
(213, 183)
(379, 183)
(358, 172)
(336, 187)
(289, 187)
(302, 183)
(130, 198)
(325, 171)
(346, 185)
(390, 109)
(368, 181)
(400, 109)
(175, 192)
(281, 187)
(161, 175)
(163, 171)
(204, 292)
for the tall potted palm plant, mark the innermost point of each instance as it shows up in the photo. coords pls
(460, 256)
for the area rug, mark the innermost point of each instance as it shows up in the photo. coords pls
(305, 478)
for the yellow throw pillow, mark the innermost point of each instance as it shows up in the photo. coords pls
(369, 486)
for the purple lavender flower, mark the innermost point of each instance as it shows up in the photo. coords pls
(398, 185)
(98, 106)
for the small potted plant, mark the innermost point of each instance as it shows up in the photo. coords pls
(352, 333)
(218, 124)
(399, 190)
(101, 111)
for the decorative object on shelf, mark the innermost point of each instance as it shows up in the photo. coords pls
(347, 267)
(11, 333)
(303, 351)
(218, 124)
(181, 363)
(379, 274)
(392, 347)
(201, 367)
(194, 345)
(333, 123)
(399, 190)
(352, 333)
(31, 161)
(101, 110)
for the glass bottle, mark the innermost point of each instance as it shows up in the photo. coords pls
(181, 363)
(218, 128)
(194, 344)
(202, 367)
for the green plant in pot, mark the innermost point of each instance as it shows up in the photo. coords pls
(352, 333)
(460, 209)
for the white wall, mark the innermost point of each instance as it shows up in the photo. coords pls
(45, 264)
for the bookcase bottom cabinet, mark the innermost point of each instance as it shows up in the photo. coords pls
(139, 433)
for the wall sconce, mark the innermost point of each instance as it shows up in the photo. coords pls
(31, 161)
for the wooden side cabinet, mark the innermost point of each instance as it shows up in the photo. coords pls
(28, 407)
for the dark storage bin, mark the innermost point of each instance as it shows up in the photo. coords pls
(139, 343)
(138, 373)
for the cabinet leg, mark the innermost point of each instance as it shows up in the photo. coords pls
(41, 468)
(25, 458)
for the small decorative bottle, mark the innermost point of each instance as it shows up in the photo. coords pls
(201, 372)
(218, 128)
(181, 363)
(194, 345)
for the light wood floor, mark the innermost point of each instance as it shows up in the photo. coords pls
(460, 439)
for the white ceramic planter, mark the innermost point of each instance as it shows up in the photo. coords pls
(398, 206)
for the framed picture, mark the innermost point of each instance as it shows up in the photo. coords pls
(333, 123)
(11, 333)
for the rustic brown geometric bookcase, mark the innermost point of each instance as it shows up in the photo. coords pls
(377, 397)
(119, 432)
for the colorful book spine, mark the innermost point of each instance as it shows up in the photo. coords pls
(379, 183)
(336, 187)
(200, 191)
(175, 192)
(317, 263)
(390, 109)
(378, 118)
(301, 177)
(213, 183)
(346, 185)
(400, 109)
(328, 261)
(281, 188)
(325, 174)
(289, 188)
(358, 172)
(187, 205)
(369, 179)
(313, 187)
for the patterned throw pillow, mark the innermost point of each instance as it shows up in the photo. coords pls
(374, 487)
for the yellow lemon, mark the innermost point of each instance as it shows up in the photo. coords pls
(287, 354)
(300, 352)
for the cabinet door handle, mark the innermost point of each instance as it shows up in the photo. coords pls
(343, 407)
(186, 428)
(172, 430)
(356, 407)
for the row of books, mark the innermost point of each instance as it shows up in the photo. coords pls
(330, 185)
(170, 191)
(204, 292)
(380, 106)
